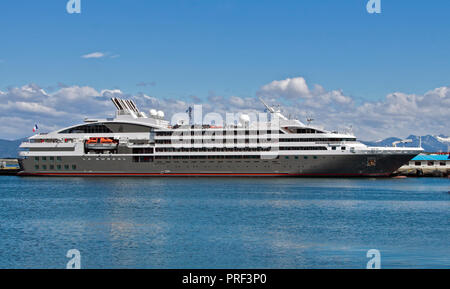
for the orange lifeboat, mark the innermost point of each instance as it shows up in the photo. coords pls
(93, 140)
(101, 143)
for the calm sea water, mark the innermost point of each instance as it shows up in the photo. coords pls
(224, 222)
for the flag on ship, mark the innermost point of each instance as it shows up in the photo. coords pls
(35, 128)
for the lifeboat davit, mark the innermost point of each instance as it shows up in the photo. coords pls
(101, 143)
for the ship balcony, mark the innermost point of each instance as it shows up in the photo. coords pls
(149, 145)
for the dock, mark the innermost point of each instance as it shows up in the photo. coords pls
(426, 165)
(9, 166)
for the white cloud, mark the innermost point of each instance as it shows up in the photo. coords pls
(99, 55)
(75, 92)
(94, 55)
(27, 92)
(66, 106)
(288, 88)
(111, 93)
(397, 114)
(33, 107)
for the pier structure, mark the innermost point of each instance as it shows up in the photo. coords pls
(434, 165)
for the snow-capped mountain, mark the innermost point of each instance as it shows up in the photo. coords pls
(429, 143)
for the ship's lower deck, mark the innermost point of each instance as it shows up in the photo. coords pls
(351, 165)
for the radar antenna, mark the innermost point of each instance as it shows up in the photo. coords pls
(189, 112)
(350, 129)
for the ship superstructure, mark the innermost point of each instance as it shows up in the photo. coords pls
(136, 144)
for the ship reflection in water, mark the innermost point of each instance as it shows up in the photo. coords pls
(224, 223)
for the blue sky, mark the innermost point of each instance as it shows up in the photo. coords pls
(229, 48)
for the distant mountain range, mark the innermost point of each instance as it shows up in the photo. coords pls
(10, 148)
(429, 143)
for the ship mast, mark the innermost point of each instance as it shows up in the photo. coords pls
(272, 110)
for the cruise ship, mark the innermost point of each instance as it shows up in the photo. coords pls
(134, 143)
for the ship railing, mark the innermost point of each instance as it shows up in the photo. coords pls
(105, 145)
(49, 141)
(344, 132)
(336, 142)
(382, 150)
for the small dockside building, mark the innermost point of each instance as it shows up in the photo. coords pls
(427, 165)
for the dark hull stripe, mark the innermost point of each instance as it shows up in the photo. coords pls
(207, 174)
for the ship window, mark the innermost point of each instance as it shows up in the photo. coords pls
(88, 128)
(286, 158)
(44, 167)
(44, 158)
(58, 158)
(308, 130)
(315, 157)
(36, 158)
(142, 150)
(52, 158)
(417, 163)
(146, 159)
(36, 167)
(296, 157)
(74, 167)
(66, 167)
(58, 167)
(343, 148)
(442, 163)
(305, 157)
(431, 163)
(52, 167)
